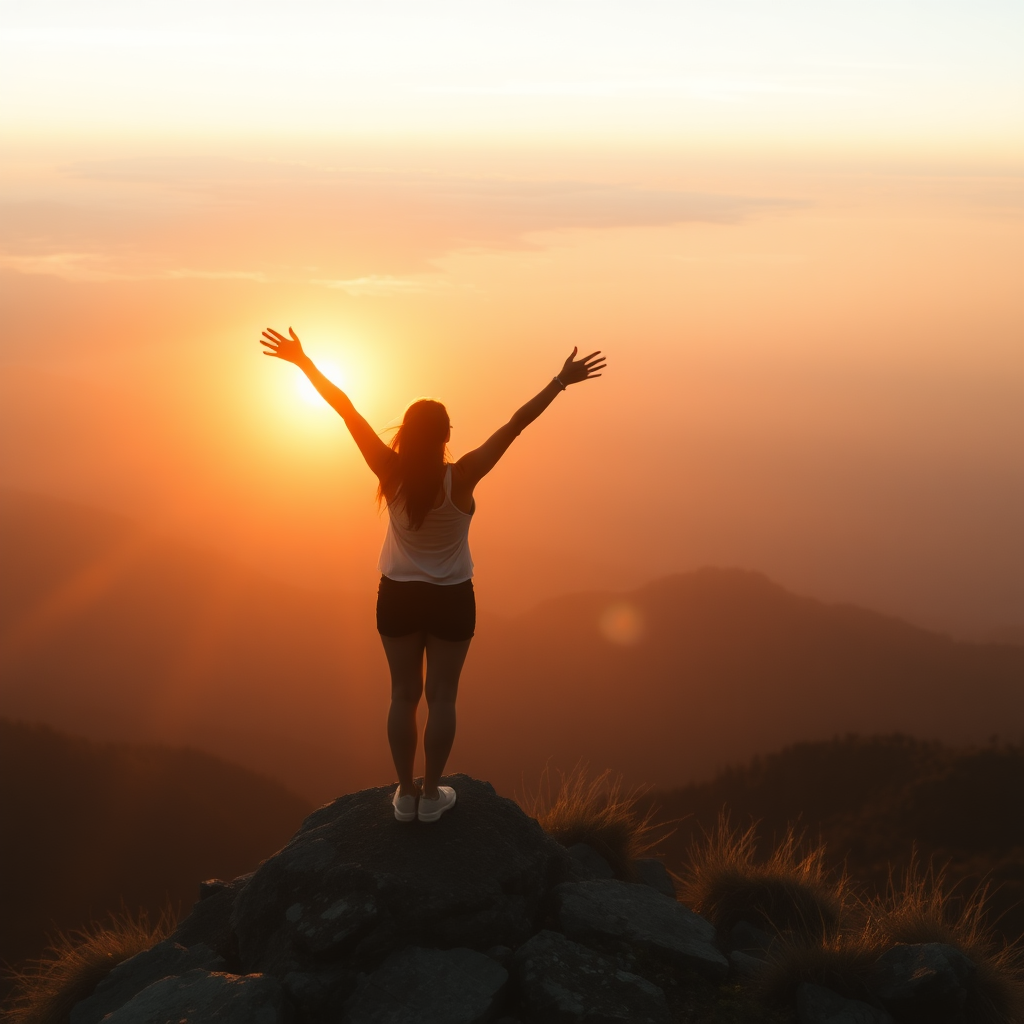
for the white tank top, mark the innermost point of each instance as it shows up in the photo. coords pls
(438, 552)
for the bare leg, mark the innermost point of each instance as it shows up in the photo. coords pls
(445, 659)
(405, 659)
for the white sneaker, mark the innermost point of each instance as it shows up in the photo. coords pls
(405, 806)
(431, 810)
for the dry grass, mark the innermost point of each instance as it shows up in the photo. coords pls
(76, 962)
(789, 892)
(920, 906)
(600, 812)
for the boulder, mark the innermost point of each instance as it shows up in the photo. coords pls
(209, 922)
(650, 871)
(926, 981)
(562, 982)
(202, 997)
(165, 960)
(321, 990)
(818, 1005)
(429, 986)
(612, 915)
(356, 883)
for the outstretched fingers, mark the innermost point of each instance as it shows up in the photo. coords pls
(593, 364)
(270, 342)
(284, 347)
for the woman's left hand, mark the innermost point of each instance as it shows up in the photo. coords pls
(276, 344)
(575, 370)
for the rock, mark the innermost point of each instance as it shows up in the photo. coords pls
(743, 967)
(563, 982)
(818, 1005)
(612, 915)
(166, 959)
(429, 986)
(320, 989)
(588, 863)
(209, 922)
(354, 882)
(650, 871)
(201, 997)
(212, 886)
(927, 981)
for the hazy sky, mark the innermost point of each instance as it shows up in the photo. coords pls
(847, 72)
(796, 229)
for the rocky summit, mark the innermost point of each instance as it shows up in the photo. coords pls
(478, 917)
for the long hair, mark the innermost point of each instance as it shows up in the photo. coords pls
(420, 444)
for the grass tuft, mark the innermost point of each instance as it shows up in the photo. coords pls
(600, 812)
(920, 906)
(789, 892)
(46, 990)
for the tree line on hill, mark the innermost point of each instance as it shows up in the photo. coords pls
(876, 803)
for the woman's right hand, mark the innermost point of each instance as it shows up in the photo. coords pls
(276, 344)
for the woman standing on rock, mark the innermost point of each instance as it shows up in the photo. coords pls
(425, 603)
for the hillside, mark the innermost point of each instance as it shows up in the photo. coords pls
(727, 665)
(116, 634)
(90, 827)
(873, 801)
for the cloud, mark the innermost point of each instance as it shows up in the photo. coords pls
(378, 284)
(367, 232)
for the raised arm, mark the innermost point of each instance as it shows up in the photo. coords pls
(377, 454)
(478, 463)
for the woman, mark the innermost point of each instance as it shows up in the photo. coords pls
(425, 604)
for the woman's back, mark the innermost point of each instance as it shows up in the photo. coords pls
(435, 552)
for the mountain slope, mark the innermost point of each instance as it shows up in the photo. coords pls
(876, 802)
(729, 665)
(115, 634)
(88, 827)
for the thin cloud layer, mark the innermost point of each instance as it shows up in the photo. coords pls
(366, 232)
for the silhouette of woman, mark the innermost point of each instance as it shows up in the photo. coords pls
(425, 603)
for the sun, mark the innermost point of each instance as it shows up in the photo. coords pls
(291, 398)
(309, 394)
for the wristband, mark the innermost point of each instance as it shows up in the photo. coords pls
(559, 382)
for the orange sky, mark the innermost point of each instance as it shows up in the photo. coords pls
(797, 238)
(815, 367)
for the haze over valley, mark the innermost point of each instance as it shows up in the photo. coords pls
(119, 635)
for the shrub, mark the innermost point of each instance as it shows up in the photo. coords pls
(788, 892)
(46, 990)
(600, 812)
(920, 906)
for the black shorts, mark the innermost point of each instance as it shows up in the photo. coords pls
(412, 606)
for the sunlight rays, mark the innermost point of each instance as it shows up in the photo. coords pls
(71, 598)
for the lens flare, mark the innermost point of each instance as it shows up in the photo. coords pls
(622, 623)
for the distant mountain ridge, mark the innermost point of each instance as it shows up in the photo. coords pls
(90, 827)
(114, 634)
(729, 665)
